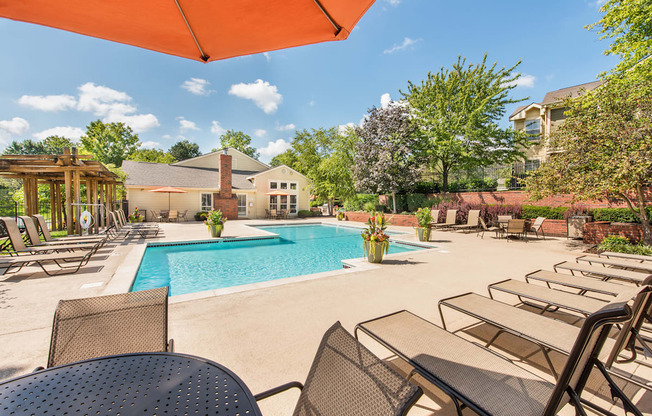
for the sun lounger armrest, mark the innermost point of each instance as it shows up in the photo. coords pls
(277, 390)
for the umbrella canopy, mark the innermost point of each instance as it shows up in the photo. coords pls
(277, 193)
(169, 190)
(204, 30)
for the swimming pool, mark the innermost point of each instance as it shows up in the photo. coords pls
(299, 250)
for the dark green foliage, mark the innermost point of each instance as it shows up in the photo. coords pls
(618, 214)
(356, 203)
(52, 145)
(427, 188)
(184, 149)
(369, 207)
(488, 184)
(551, 213)
(305, 213)
(201, 216)
(623, 245)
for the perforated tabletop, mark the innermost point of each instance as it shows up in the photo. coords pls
(130, 384)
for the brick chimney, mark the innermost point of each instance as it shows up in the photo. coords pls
(225, 176)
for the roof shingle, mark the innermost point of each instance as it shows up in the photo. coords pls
(160, 174)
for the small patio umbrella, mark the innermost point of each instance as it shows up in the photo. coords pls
(277, 193)
(204, 30)
(169, 190)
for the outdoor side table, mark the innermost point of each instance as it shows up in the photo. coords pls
(130, 384)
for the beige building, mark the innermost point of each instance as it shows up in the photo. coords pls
(228, 179)
(543, 118)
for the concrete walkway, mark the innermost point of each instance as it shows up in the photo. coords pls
(269, 336)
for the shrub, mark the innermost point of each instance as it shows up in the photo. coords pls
(357, 202)
(623, 245)
(551, 213)
(201, 216)
(424, 218)
(314, 204)
(383, 208)
(427, 188)
(617, 214)
(304, 213)
(416, 201)
(369, 206)
(577, 210)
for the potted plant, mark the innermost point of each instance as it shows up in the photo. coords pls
(340, 213)
(136, 216)
(424, 219)
(215, 222)
(375, 241)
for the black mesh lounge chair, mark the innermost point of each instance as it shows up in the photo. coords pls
(617, 263)
(45, 232)
(346, 379)
(579, 283)
(35, 238)
(108, 325)
(551, 334)
(603, 273)
(487, 383)
(18, 245)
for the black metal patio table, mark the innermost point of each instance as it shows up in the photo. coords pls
(130, 384)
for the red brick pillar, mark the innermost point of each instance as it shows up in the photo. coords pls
(225, 200)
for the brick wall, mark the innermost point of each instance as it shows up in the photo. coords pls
(225, 200)
(595, 232)
(555, 228)
(392, 219)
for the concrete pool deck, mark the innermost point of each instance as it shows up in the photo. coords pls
(269, 335)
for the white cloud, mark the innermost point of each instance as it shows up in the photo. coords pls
(15, 126)
(526, 81)
(394, 2)
(166, 137)
(217, 129)
(385, 99)
(113, 106)
(312, 103)
(267, 56)
(265, 96)
(69, 132)
(48, 102)
(150, 144)
(274, 148)
(286, 127)
(407, 42)
(197, 86)
(185, 125)
(260, 132)
(342, 128)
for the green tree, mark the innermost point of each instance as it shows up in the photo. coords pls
(606, 145)
(184, 149)
(629, 24)
(110, 142)
(287, 158)
(458, 109)
(52, 145)
(239, 141)
(152, 155)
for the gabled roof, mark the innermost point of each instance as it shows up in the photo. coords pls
(522, 108)
(230, 150)
(161, 174)
(253, 176)
(572, 92)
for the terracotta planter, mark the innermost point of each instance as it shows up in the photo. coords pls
(216, 230)
(375, 251)
(423, 233)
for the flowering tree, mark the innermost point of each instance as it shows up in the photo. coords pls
(389, 155)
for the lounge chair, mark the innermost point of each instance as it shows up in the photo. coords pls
(70, 262)
(125, 230)
(617, 263)
(471, 221)
(45, 232)
(516, 228)
(347, 379)
(582, 284)
(638, 257)
(537, 227)
(109, 325)
(451, 216)
(35, 240)
(483, 227)
(487, 383)
(550, 334)
(604, 273)
(18, 245)
(123, 219)
(434, 213)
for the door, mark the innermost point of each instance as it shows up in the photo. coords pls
(242, 205)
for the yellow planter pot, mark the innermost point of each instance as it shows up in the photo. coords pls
(375, 250)
(216, 230)
(423, 233)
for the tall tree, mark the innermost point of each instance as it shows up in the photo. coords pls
(152, 155)
(184, 149)
(390, 153)
(606, 144)
(287, 158)
(239, 141)
(52, 145)
(110, 142)
(629, 24)
(458, 109)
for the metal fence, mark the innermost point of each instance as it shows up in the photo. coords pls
(489, 178)
(12, 209)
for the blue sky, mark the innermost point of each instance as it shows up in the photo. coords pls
(56, 82)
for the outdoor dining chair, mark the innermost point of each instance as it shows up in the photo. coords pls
(182, 215)
(537, 227)
(173, 216)
(156, 217)
(516, 228)
(347, 379)
(109, 325)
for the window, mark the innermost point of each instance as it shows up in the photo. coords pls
(273, 202)
(533, 126)
(284, 185)
(557, 114)
(293, 186)
(293, 204)
(273, 185)
(206, 202)
(242, 205)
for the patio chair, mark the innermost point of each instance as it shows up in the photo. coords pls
(603, 273)
(182, 215)
(164, 214)
(173, 216)
(487, 383)
(347, 379)
(272, 212)
(156, 217)
(451, 216)
(18, 245)
(637, 257)
(554, 335)
(109, 325)
(70, 262)
(127, 229)
(45, 233)
(267, 214)
(434, 213)
(120, 216)
(35, 239)
(537, 227)
(483, 228)
(471, 221)
(282, 214)
(581, 284)
(617, 263)
(516, 228)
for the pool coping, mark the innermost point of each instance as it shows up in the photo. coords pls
(125, 274)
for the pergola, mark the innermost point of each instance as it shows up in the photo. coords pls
(70, 170)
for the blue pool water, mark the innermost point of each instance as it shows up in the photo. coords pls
(299, 250)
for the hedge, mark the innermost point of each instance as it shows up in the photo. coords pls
(304, 213)
(551, 213)
(617, 214)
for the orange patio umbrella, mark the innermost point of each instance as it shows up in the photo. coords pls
(277, 193)
(204, 30)
(169, 190)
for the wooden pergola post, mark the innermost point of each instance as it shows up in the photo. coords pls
(76, 185)
(57, 195)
